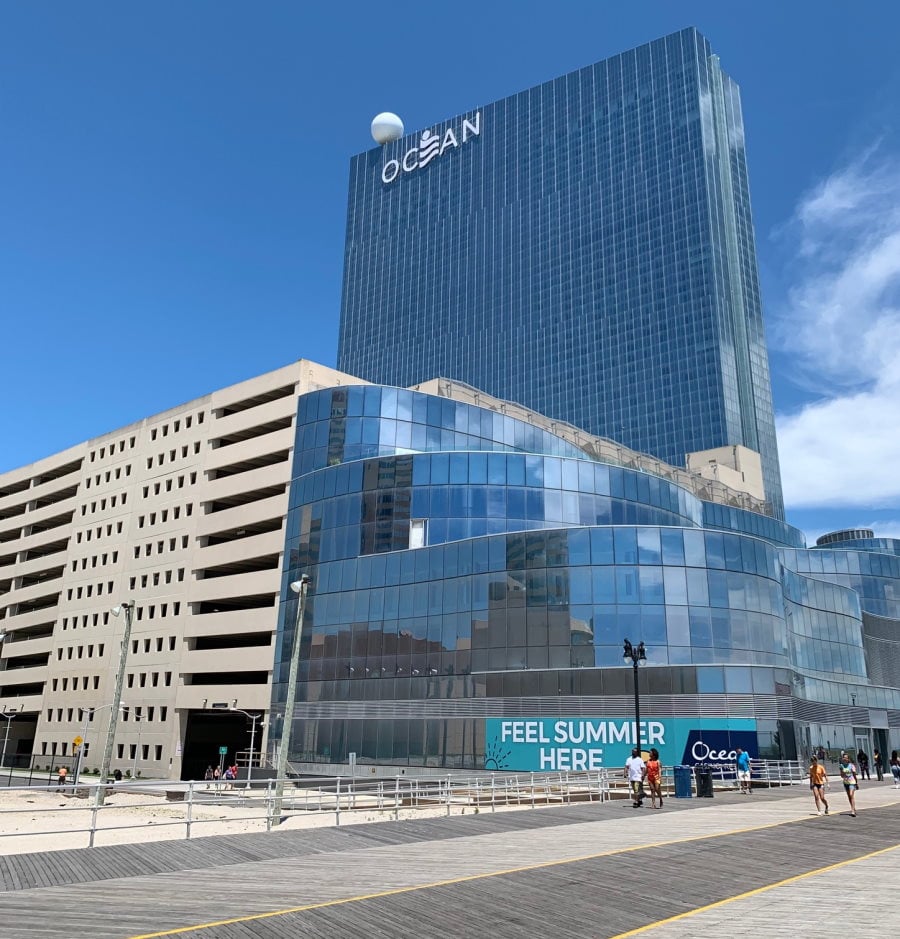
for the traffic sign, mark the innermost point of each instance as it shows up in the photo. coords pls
(77, 742)
(223, 751)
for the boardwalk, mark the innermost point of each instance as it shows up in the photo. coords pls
(579, 871)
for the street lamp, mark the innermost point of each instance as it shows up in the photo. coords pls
(88, 717)
(128, 609)
(9, 715)
(635, 655)
(254, 718)
(300, 587)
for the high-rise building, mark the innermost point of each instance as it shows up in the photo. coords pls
(584, 248)
(181, 513)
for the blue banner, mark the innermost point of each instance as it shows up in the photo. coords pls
(577, 744)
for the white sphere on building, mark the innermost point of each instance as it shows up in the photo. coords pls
(386, 127)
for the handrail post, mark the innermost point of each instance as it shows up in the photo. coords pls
(337, 802)
(396, 798)
(190, 811)
(269, 805)
(94, 810)
(448, 795)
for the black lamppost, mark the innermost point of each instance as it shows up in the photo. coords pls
(635, 655)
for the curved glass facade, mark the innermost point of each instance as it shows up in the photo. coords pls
(484, 584)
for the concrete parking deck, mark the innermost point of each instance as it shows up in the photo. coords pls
(578, 871)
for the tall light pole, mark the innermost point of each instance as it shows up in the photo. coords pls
(254, 718)
(9, 715)
(299, 587)
(635, 655)
(128, 609)
(88, 717)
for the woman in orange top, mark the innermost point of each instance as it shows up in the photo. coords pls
(818, 782)
(654, 779)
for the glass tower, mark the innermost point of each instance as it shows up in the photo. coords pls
(585, 248)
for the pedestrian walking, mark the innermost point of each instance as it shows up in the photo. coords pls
(818, 782)
(862, 764)
(208, 776)
(216, 776)
(742, 762)
(61, 773)
(879, 765)
(635, 771)
(895, 768)
(654, 779)
(850, 780)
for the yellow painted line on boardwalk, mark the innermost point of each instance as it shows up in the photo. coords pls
(753, 893)
(254, 917)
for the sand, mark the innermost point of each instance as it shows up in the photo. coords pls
(45, 820)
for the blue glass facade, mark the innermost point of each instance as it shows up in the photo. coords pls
(495, 571)
(584, 248)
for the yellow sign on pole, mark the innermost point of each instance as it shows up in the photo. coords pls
(77, 742)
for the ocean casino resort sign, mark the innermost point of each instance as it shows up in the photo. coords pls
(431, 145)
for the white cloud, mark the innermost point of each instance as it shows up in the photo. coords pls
(841, 323)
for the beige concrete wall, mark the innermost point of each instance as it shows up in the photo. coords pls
(737, 467)
(134, 513)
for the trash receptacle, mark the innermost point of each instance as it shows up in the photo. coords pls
(704, 782)
(683, 782)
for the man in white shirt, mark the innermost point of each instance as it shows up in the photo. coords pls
(635, 770)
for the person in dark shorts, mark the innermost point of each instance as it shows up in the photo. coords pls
(818, 782)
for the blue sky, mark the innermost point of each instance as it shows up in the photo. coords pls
(174, 192)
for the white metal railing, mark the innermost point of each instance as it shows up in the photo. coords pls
(778, 772)
(332, 799)
(341, 797)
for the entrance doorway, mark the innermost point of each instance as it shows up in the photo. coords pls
(207, 733)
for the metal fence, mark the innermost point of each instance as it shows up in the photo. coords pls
(332, 800)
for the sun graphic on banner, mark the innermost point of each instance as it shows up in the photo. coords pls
(495, 756)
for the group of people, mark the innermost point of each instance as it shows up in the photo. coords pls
(638, 773)
(214, 776)
(851, 774)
